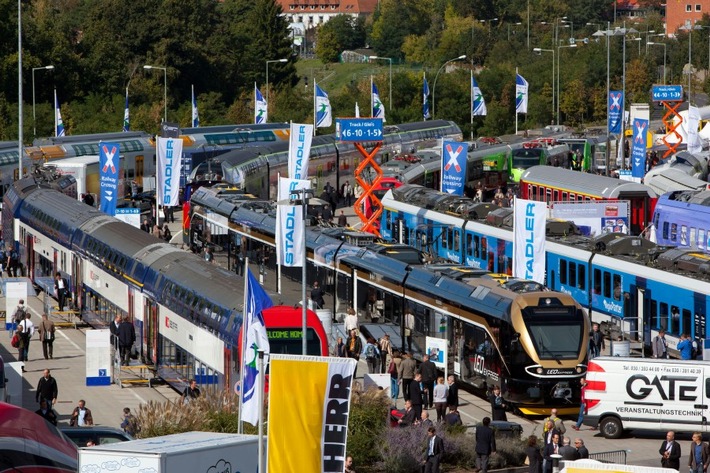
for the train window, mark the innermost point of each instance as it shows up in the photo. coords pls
(572, 197)
(597, 281)
(563, 271)
(572, 274)
(484, 247)
(687, 325)
(617, 287)
(444, 238)
(663, 314)
(556, 195)
(684, 235)
(457, 239)
(565, 196)
(607, 284)
(581, 277)
(674, 231)
(548, 194)
(701, 238)
(580, 198)
(469, 244)
(476, 246)
(665, 230)
(654, 314)
(675, 320)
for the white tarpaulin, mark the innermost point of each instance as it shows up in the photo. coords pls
(529, 241)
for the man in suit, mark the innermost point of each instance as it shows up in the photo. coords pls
(485, 444)
(428, 370)
(699, 454)
(415, 395)
(408, 418)
(583, 451)
(435, 451)
(552, 448)
(126, 339)
(670, 452)
(567, 451)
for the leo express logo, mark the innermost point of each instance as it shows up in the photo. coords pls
(669, 388)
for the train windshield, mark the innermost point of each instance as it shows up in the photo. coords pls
(288, 341)
(556, 333)
(526, 158)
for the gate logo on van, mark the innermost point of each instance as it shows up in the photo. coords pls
(669, 388)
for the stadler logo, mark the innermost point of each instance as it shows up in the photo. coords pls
(299, 153)
(168, 184)
(529, 240)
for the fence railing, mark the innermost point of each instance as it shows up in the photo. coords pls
(612, 456)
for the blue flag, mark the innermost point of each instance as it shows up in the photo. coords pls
(108, 176)
(58, 123)
(261, 112)
(521, 94)
(426, 105)
(453, 167)
(378, 110)
(478, 103)
(255, 339)
(616, 111)
(638, 150)
(324, 113)
(126, 116)
(195, 115)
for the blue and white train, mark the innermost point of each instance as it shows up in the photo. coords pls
(628, 280)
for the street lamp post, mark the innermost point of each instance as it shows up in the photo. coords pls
(650, 43)
(34, 115)
(433, 90)
(540, 51)
(559, 60)
(267, 78)
(165, 88)
(690, 29)
(390, 60)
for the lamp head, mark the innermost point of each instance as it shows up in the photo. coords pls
(283, 60)
(463, 56)
(537, 50)
(50, 67)
(147, 67)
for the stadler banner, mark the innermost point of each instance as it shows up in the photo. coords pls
(529, 242)
(108, 177)
(169, 164)
(299, 151)
(453, 167)
(314, 424)
(289, 229)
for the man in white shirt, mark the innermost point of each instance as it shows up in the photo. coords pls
(29, 328)
(351, 320)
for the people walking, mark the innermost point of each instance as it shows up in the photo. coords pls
(47, 389)
(126, 339)
(498, 405)
(354, 347)
(670, 452)
(81, 416)
(28, 331)
(317, 295)
(441, 391)
(191, 392)
(435, 451)
(46, 412)
(485, 444)
(596, 342)
(582, 405)
(408, 368)
(699, 458)
(61, 290)
(129, 424)
(428, 372)
(385, 352)
(46, 336)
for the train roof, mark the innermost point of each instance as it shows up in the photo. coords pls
(683, 198)
(585, 183)
(205, 130)
(90, 138)
(671, 179)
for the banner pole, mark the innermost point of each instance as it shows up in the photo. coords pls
(260, 401)
(241, 351)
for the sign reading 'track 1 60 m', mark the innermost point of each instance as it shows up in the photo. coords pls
(667, 93)
(359, 129)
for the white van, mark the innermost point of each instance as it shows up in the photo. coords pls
(652, 394)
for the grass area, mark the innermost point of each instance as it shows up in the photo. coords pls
(335, 76)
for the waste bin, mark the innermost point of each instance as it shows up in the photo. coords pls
(505, 429)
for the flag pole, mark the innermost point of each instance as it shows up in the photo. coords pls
(315, 111)
(260, 401)
(243, 341)
(278, 230)
(56, 122)
(254, 109)
(372, 99)
(470, 84)
(516, 105)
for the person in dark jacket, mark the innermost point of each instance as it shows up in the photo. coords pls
(485, 444)
(579, 445)
(415, 395)
(434, 451)
(567, 451)
(428, 371)
(126, 339)
(552, 448)
(452, 398)
(534, 455)
(46, 389)
(498, 405)
(670, 452)
(317, 295)
(354, 348)
(46, 412)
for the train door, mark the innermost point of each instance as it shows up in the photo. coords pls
(77, 271)
(633, 313)
(139, 170)
(150, 329)
(227, 367)
(30, 259)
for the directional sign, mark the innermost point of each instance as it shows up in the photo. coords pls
(359, 129)
(667, 93)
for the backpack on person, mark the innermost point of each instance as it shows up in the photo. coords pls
(392, 369)
(20, 314)
(370, 351)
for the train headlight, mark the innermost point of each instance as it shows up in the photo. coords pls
(578, 369)
(548, 301)
(539, 370)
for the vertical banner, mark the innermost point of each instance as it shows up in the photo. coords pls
(616, 98)
(478, 103)
(169, 164)
(378, 110)
(261, 111)
(289, 218)
(324, 112)
(108, 177)
(638, 150)
(521, 94)
(314, 423)
(695, 144)
(126, 116)
(98, 357)
(426, 105)
(529, 240)
(453, 167)
(299, 151)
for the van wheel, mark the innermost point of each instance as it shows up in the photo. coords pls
(611, 427)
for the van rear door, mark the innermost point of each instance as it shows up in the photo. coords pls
(682, 387)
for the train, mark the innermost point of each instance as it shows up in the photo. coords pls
(29, 443)
(186, 311)
(9, 164)
(627, 281)
(495, 335)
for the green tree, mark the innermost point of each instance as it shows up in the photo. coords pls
(573, 102)
(327, 48)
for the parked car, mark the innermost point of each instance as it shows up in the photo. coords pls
(100, 435)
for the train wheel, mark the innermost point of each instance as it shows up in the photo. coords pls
(611, 427)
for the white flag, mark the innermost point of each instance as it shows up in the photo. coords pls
(478, 103)
(695, 145)
(529, 242)
(324, 113)
(521, 94)
(169, 166)
(378, 110)
(289, 243)
(357, 110)
(299, 151)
